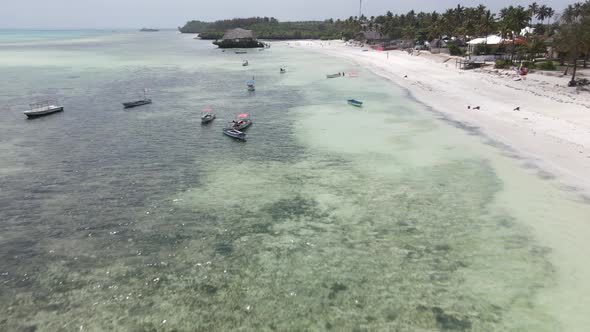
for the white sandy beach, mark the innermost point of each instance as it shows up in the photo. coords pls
(551, 130)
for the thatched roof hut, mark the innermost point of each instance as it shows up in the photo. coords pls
(238, 33)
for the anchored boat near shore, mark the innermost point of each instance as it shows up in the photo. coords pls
(231, 132)
(242, 121)
(207, 116)
(354, 102)
(140, 102)
(42, 108)
(251, 85)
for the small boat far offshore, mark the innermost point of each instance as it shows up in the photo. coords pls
(354, 102)
(245, 63)
(231, 132)
(43, 108)
(334, 75)
(140, 102)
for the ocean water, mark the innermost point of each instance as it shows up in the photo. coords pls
(385, 218)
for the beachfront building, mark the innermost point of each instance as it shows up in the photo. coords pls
(238, 38)
(491, 41)
(370, 37)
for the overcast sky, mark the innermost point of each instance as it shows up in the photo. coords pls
(99, 14)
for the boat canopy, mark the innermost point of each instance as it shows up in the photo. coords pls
(243, 115)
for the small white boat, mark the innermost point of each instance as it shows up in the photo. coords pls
(43, 108)
(207, 115)
(245, 63)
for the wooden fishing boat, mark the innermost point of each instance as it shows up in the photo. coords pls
(241, 122)
(354, 102)
(207, 116)
(231, 132)
(42, 108)
(140, 102)
(334, 75)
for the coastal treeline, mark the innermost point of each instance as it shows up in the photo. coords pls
(266, 28)
(416, 26)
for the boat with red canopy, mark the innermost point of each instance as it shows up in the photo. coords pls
(242, 121)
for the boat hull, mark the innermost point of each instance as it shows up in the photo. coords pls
(355, 103)
(243, 126)
(333, 76)
(36, 114)
(208, 119)
(233, 134)
(137, 103)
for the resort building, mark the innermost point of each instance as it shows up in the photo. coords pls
(239, 38)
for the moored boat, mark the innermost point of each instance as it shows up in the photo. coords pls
(241, 122)
(251, 85)
(355, 102)
(140, 102)
(207, 116)
(42, 108)
(231, 132)
(334, 75)
(240, 52)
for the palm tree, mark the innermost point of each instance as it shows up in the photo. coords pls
(533, 10)
(486, 22)
(574, 33)
(513, 19)
(542, 13)
(550, 12)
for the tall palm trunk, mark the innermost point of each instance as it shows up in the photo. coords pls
(573, 81)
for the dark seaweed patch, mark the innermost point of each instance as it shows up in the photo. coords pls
(449, 322)
(294, 208)
(208, 289)
(224, 248)
(335, 289)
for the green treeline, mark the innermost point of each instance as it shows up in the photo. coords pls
(271, 28)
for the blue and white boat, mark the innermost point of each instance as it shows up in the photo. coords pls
(251, 85)
(231, 132)
(354, 102)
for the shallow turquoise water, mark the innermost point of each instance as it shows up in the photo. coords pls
(328, 218)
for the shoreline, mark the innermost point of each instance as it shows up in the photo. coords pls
(551, 131)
